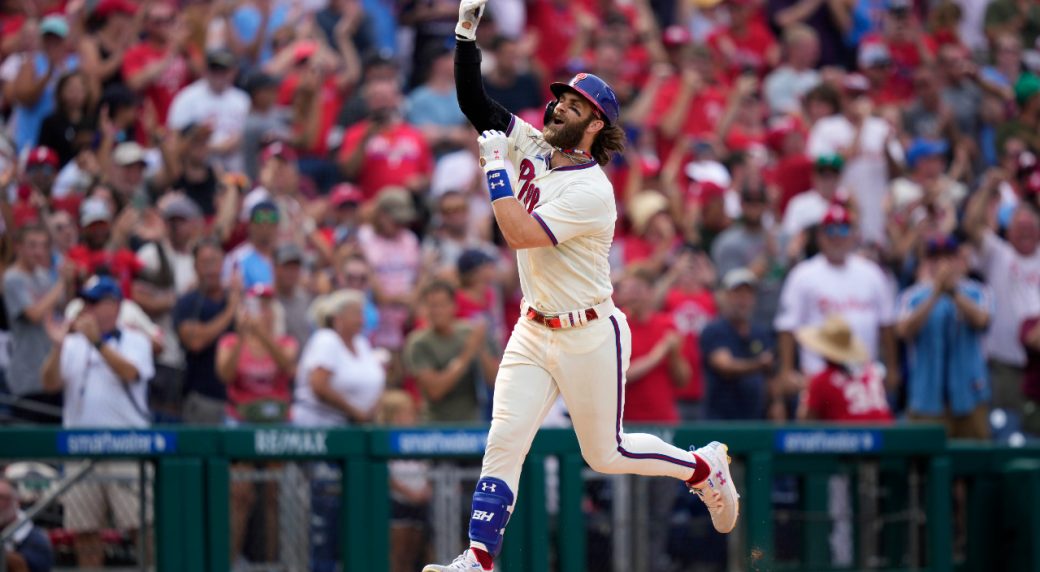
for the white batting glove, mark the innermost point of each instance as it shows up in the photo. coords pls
(470, 12)
(494, 148)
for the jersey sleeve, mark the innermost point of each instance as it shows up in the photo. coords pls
(578, 212)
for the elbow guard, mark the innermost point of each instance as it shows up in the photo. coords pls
(492, 506)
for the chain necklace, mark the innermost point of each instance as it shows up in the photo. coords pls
(577, 156)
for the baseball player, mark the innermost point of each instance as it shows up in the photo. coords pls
(558, 214)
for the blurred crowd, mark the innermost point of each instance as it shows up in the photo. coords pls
(269, 211)
(253, 211)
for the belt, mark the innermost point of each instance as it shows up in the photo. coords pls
(571, 319)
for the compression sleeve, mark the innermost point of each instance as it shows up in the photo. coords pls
(482, 111)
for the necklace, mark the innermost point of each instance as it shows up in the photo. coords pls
(577, 156)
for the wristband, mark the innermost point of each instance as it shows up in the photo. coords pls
(98, 344)
(498, 182)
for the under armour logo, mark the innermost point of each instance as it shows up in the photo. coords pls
(721, 479)
(486, 486)
(497, 184)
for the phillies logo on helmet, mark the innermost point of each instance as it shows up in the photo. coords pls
(579, 77)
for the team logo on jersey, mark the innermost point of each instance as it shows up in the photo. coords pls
(529, 193)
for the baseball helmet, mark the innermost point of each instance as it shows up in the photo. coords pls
(592, 88)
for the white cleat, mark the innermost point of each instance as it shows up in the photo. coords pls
(718, 491)
(465, 561)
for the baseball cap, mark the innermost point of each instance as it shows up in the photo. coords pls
(675, 36)
(921, 148)
(118, 96)
(833, 162)
(42, 156)
(754, 193)
(99, 288)
(836, 215)
(220, 59)
(471, 260)
(54, 25)
(304, 50)
(260, 291)
(739, 277)
(181, 207)
(779, 129)
(106, 8)
(266, 210)
(280, 150)
(128, 153)
(873, 54)
(856, 83)
(397, 203)
(94, 210)
(345, 193)
(254, 82)
(287, 253)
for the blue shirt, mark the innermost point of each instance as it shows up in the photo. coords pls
(428, 107)
(734, 398)
(945, 361)
(246, 21)
(200, 368)
(28, 119)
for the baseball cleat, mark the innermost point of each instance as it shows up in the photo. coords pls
(465, 561)
(718, 491)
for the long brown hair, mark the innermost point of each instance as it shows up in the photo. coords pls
(610, 140)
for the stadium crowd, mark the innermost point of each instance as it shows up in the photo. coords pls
(271, 211)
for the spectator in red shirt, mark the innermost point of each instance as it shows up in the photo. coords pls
(851, 387)
(746, 45)
(479, 296)
(658, 365)
(34, 192)
(907, 42)
(560, 29)
(792, 172)
(98, 254)
(383, 150)
(161, 64)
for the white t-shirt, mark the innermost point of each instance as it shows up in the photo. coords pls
(1015, 281)
(865, 175)
(858, 291)
(94, 395)
(804, 210)
(182, 264)
(575, 206)
(359, 377)
(225, 111)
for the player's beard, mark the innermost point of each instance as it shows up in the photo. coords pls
(568, 135)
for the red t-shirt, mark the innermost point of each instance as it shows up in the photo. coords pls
(837, 395)
(752, 45)
(705, 111)
(690, 312)
(330, 102)
(650, 399)
(906, 58)
(121, 264)
(392, 157)
(556, 25)
(163, 88)
(257, 377)
(792, 175)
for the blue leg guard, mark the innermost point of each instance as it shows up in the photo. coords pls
(492, 506)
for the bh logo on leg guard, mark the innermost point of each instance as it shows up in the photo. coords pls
(492, 506)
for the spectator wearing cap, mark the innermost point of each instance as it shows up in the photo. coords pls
(452, 234)
(746, 43)
(394, 253)
(200, 317)
(738, 355)
(910, 46)
(289, 292)
(29, 549)
(33, 295)
(942, 318)
(71, 127)
(807, 209)
(103, 48)
(33, 90)
(342, 217)
(836, 280)
(161, 63)
(279, 183)
(479, 295)
(252, 259)
(187, 165)
(1011, 268)
(654, 241)
(103, 371)
(213, 100)
(384, 150)
(791, 171)
(97, 251)
(508, 81)
(1027, 96)
(749, 243)
(267, 121)
(450, 358)
(35, 191)
(784, 87)
(127, 176)
(867, 145)
(875, 63)
(124, 115)
(433, 107)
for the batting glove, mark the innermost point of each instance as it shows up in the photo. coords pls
(470, 12)
(494, 148)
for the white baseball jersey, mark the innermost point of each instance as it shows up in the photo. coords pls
(575, 206)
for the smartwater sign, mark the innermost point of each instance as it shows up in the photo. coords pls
(459, 442)
(116, 442)
(828, 441)
(277, 442)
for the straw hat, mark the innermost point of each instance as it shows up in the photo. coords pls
(643, 206)
(834, 340)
